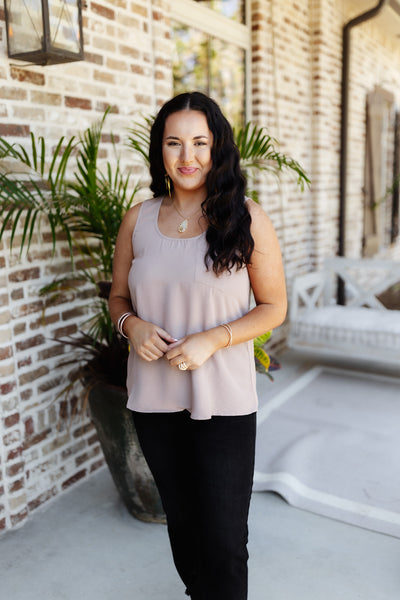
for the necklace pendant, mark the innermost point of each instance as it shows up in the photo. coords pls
(183, 226)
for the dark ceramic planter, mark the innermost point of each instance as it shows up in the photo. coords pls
(118, 439)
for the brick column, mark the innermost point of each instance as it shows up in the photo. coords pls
(326, 55)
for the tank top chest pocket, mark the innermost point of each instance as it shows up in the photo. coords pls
(234, 283)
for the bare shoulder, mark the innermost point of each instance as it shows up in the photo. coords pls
(260, 221)
(131, 215)
(124, 239)
(129, 221)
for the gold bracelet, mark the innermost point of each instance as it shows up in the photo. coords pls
(229, 330)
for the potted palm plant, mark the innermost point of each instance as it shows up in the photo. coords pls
(87, 207)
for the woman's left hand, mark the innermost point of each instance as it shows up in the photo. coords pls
(192, 349)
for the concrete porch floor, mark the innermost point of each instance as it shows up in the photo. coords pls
(85, 546)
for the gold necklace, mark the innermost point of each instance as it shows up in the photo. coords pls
(183, 225)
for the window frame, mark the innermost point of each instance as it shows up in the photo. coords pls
(207, 20)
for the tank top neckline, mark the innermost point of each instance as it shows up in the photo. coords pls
(168, 237)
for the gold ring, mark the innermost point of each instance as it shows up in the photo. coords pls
(183, 366)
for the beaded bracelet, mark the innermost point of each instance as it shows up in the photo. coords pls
(229, 330)
(121, 322)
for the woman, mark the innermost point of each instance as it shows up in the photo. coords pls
(184, 264)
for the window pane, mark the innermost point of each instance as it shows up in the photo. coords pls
(211, 66)
(190, 63)
(227, 66)
(234, 9)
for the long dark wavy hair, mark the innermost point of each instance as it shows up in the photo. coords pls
(230, 243)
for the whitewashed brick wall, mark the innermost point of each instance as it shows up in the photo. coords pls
(297, 94)
(375, 61)
(296, 74)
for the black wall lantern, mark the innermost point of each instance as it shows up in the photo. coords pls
(44, 32)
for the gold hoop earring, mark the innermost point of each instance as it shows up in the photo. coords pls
(168, 184)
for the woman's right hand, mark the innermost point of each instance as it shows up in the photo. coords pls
(149, 341)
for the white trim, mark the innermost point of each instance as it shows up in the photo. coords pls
(283, 396)
(303, 380)
(357, 508)
(211, 22)
(299, 494)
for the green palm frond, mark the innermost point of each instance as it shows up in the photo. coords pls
(139, 138)
(79, 195)
(107, 196)
(258, 152)
(29, 191)
(100, 326)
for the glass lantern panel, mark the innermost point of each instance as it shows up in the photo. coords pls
(64, 25)
(25, 25)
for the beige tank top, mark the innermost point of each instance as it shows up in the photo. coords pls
(171, 287)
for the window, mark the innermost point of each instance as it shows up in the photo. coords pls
(206, 58)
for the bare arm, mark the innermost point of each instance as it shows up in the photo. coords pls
(268, 284)
(148, 340)
(267, 281)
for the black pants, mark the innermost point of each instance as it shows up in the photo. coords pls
(204, 473)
